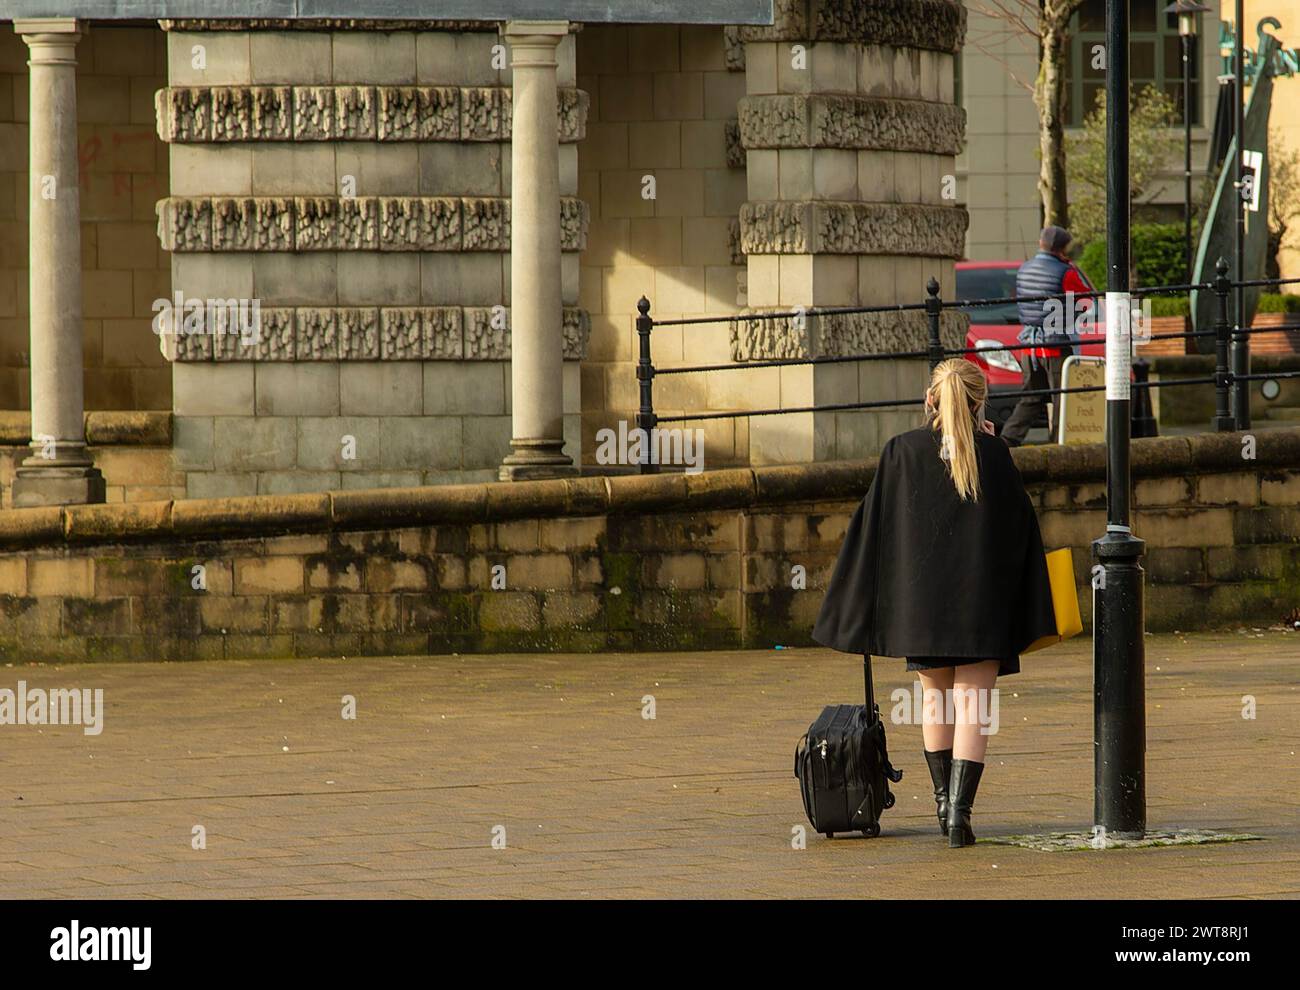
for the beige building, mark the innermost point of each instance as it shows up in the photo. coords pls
(319, 221)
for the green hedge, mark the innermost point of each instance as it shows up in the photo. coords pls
(1158, 251)
(1278, 302)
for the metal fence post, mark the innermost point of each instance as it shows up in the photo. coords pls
(645, 375)
(933, 307)
(1223, 421)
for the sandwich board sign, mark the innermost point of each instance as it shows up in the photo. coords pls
(1083, 415)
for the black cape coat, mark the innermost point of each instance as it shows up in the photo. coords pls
(924, 574)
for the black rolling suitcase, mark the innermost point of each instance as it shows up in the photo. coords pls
(843, 767)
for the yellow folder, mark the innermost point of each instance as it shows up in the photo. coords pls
(1065, 599)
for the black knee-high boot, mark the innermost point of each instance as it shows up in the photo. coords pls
(940, 764)
(962, 785)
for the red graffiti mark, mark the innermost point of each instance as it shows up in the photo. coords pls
(89, 151)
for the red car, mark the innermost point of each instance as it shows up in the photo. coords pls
(999, 325)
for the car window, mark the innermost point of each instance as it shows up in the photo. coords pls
(988, 283)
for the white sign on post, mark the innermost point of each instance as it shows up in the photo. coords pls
(1119, 344)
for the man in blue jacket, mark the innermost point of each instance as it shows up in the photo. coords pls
(1050, 325)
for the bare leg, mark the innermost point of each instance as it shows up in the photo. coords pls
(936, 731)
(971, 685)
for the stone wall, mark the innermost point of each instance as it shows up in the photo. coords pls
(123, 173)
(594, 564)
(664, 104)
(356, 184)
(132, 449)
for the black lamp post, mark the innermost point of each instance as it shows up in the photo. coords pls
(1188, 12)
(1119, 650)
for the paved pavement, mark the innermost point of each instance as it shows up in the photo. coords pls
(597, 801)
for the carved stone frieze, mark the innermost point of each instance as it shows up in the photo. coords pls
(197, 114)
(369, 333)
(832, 120)
(326, 223)
(820, 227)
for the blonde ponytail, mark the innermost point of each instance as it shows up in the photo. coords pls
(957, 394)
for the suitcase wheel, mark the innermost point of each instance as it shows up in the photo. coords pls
(871, 831)
(829, 835)
(889, 800)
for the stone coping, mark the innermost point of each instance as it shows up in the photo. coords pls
(103, 428)
(263, 516)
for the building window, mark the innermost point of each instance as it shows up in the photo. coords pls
(1155, 58)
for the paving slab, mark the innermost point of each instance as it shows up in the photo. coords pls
(549, 756)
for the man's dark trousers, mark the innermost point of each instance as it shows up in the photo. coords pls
(1038, 373)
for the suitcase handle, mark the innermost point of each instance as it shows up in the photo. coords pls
(869, 687)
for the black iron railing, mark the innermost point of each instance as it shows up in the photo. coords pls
(1231, 351)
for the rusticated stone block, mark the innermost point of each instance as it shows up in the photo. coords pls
(410, 223)
(357, 224)
(232, 113)
(398, 113)
(354, 113)
(575, 219)
(188, 346)
(576, 327)
(358, 334)
(252, 224)
(441, 334)
(439, 113)
(184, 113)
(184, 224)
(277, 339)
(486, 224)
(487, 333)
(735, 149)
(401, 336)
(236, 346)
(574, 106)
(317, 334)
(733, 49)
(480, 114)
(313, 113)
(316, 223)
(272, 109)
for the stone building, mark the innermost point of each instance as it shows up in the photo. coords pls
(406, 252)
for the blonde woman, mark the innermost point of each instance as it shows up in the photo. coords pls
(943, 564)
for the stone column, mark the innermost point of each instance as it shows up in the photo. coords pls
(536, 362)
(59, 471)
(851, 134)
